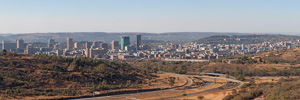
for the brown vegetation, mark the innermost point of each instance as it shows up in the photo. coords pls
(42, 75)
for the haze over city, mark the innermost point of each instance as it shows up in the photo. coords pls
(149, 50)
(158, 16)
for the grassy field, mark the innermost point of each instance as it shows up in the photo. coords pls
(174, 93)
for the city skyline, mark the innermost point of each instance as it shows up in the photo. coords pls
(150, 49)
(153, 16)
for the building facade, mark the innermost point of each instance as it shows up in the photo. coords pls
(115, 45)
(138, 42)
(20, 44)
(125, 41)
(70, 44)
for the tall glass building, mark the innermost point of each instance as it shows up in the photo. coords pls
(125, 41)
(51, 41)
(138, 42)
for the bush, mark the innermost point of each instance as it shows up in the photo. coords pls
(200, 97)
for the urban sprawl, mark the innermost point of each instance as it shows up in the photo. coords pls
(125, 49)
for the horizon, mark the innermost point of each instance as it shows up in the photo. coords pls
(241, 33)
(153, 16)
(150, 49)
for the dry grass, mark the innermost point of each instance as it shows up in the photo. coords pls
(159, 82)
(214, 95)
(174, 93)
(162, 82)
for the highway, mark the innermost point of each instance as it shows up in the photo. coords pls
(191, 60)
(217, 74)
(227, 79)
(189, 83)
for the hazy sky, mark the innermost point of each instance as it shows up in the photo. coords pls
(28, 16)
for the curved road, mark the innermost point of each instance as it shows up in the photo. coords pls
(189, 83)
(213, 89)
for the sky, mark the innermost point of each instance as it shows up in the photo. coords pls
(158, 16)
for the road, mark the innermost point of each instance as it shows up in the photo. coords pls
(213, 89)
(189, 83)
(217, 74)
(191, 60)
(226, 79)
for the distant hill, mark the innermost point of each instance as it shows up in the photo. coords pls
(107, 37)
(246, 39)
(3, 38)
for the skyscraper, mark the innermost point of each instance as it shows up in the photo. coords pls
(87, 45)
(70, 43)
(51, 41)
(243, 46)
(115, 45)
(125, 41)
(138, 42)
(104, 45)
(20, 44)
(87, 49)
(96, 44)
(76, 45)
(7, 45)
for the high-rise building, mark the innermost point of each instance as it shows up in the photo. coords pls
(30, 50)
(87, 49)
(104, 45)
(7, 45)
(70, 43)
(51, 41)
(59, 52)
(76, 45)
(96, 52)
(79, 45)
(20, 44)
(115, 45)
(243, 46)
(96, 44)
(129, 47)
(87, 45)
(125, 41)
(87, 52)
(138, 42)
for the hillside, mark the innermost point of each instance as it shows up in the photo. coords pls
(3, 38)
(286, 57)
(273, 63)
(42, 75)
(246, 39)
(107, 37)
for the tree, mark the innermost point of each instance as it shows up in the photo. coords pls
(240, 77)
(252, 82)
(233, 92)
(171, 81)
(201, 97)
